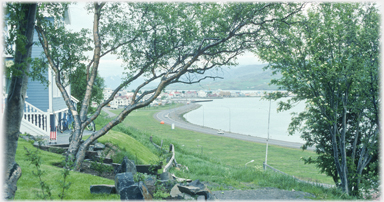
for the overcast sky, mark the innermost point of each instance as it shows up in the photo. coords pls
(109, 65)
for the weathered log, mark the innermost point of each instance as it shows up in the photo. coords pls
(169, 164)
(157, 146)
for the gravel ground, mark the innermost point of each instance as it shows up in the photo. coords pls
(262, 194)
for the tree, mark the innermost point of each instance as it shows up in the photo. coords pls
(164, 42)
(21, 21)
(77, 79)
(330, 61)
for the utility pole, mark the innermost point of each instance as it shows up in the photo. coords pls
(269, 116)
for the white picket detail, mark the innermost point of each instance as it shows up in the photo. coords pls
(36, 117)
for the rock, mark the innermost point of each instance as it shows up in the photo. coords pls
(176, 193)
(150, 184)
(102, 189)
(145, 192)
(197, 188)
(200, 198)
(191, 190)
(188, 197)
(28, 137)
(123, 180)
(99, 153)
(91, 148)
(41, 143)
(98, 146)
(132, 192)
(91, 155)
(197, 183)
(126, 166)
(166, 176)
(207, 194)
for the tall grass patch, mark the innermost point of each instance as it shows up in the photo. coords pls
(28, 184)
(134, 149)
(227, 150)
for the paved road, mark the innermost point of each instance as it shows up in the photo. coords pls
(173, 116)
(110, 114)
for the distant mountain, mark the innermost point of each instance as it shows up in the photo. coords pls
(114, 81)
(247, 77)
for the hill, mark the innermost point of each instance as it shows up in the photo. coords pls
(247, 77)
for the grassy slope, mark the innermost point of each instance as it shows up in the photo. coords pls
(28, 184)
(229, 151)
(221, 160)
(223, 165)
(135, 148)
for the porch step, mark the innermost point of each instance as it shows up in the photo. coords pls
(27, 127)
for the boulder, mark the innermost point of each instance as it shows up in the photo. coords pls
(99, 153)
(188, 197)
(28, 137)
(126, 166)
(91, 148)
(41, 143)
(150, 183)
(123, 180)
(197, 188)
(145, 192)
(102, 189)
(98, 146)
(191, 190)
(91, 155)
(176, 193)
(166, 176)
(200, 198)
(132, 192)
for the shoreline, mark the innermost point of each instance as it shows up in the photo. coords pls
(175, 116)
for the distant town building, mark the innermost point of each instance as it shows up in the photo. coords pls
(190, 94)
(225, 94)
(202, 93)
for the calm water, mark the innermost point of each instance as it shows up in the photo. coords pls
(247, 116)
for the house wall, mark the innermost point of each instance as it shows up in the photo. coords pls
(37, 93)
(58, 104)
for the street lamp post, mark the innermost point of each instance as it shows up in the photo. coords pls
(269, 116)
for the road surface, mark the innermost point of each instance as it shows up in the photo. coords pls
(172, 116)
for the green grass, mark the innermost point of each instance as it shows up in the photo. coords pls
(221, 160)
(227, 150)
(217, 160)
(134, 149)
(28, 184)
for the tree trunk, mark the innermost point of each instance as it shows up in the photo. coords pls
(14, 108)
(344, 167)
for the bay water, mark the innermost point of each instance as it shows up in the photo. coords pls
(248, 116)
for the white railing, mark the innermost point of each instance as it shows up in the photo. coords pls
(36, 117)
